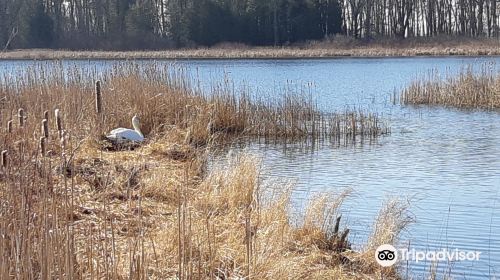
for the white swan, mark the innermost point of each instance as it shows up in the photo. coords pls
(122, 135)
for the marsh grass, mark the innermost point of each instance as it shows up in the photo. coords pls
(338, 46)
(162, 96)
(73, 210)
(468, 90)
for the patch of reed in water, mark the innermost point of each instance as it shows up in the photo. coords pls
(467, 90)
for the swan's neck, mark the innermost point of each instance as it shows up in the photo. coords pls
(137, 129)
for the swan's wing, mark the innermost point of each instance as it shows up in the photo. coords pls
(125, 134)
(117, 131)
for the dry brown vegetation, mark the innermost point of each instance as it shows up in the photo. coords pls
(339, 47)
(72, 209)
(468, 90)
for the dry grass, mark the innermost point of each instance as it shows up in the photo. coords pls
(337, 47)
(79, 211)
(468, 90)
(163, 97)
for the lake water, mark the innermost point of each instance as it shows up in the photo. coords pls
(446, 161)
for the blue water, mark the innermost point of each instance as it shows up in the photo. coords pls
(445, 161)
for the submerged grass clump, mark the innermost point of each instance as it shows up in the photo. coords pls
(468, 90)
(73, 210)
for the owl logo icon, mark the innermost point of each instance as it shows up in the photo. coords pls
(386, 255)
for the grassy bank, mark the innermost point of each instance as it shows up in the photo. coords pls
(340, 47)
(74, 209)
(468, 90)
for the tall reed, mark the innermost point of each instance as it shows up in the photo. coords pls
(468, 90)
(20, 116)
(4, 159)
(45, 128)
(98, 97)
(9, 126)
(163, 95)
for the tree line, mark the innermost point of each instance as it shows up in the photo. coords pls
(154, 24)
(420, 18)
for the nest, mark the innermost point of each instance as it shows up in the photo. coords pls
(109, 145)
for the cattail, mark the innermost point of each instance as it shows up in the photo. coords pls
(343, 238)
(4, 159)
(46, 115)
(20, 115)
(98, 97)
(45, 128)
(337, 226)
(42, 146)
(62, 139)
(9, 126)
(58, 121)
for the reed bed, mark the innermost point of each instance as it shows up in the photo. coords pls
(336, 47)
(468, 90)
(72, 209)
(163, 96)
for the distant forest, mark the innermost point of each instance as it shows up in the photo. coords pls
(156, 24)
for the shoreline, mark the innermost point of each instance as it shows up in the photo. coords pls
(257, 53)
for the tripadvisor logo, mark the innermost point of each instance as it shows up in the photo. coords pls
(387, 255)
